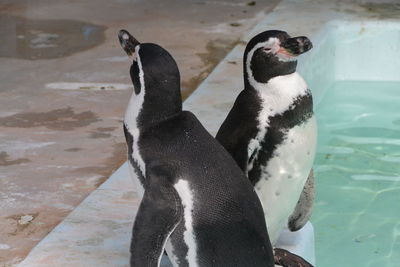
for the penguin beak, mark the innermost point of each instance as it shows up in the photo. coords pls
(128, 42)
(296, 46)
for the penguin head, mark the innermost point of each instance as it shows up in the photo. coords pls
(272, 53)
(155, 77)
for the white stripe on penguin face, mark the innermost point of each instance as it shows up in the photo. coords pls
(132, 113)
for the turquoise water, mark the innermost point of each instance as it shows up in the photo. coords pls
(357, 168)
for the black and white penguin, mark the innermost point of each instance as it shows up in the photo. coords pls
(271, 131)
(196, 203)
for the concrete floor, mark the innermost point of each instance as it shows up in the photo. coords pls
(64, 87)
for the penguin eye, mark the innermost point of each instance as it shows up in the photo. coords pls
(267, 49)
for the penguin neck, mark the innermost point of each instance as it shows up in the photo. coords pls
(279, 92)
(252, 79)
(159, 105)
(146, 109)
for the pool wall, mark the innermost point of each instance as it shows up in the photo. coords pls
(352, 51)
(357, 132)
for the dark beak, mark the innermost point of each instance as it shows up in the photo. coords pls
(297, 45)
(128, 42)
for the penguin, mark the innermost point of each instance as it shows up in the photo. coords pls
(271, 130)
(195, 202)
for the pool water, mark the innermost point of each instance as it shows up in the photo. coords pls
(357, 169)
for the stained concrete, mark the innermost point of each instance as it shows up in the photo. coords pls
(64, 87)
(36, 39)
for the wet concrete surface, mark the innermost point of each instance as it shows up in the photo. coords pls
(45, 39)
(60, 129)
(64, 119)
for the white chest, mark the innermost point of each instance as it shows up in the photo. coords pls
(276, 96)
(287, 170)
(292, 160)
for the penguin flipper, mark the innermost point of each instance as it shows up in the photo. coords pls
(159, 213)
(234, 133)
(303, 210)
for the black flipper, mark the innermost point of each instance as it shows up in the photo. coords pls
(304, 207)
(285, 258)
(236, 131)
(159, 213)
